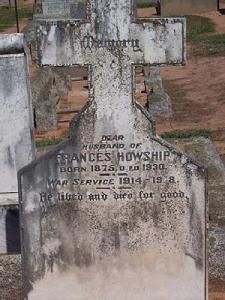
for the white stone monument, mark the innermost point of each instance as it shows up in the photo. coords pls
(114, 212)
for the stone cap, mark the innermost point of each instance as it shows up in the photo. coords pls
(11, 43)
(8, 199)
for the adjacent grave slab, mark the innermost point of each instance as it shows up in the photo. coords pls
(204, 150)
(217, 253)
(187, 7)
(64, 8)
(159, 102)
(16, 134)
(114, 212)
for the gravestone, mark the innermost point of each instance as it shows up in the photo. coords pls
(114, 212)
(16, 134)
(64, 8)
(187, 7)
(204, 150)
(159, 102)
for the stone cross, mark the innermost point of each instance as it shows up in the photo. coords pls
(111, 42)
(114, 212)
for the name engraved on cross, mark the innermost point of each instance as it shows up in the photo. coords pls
(114, 211)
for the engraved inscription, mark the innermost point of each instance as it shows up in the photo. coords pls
(116, 171)
(89, 42)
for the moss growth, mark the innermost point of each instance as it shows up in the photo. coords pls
(48, 142)
(209, 45)
(198, 25)
(201, 34)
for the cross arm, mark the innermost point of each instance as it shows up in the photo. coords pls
(161, 41)
(150, 41)
(60, 42)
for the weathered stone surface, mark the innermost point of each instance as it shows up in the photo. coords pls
(10, 277)
(153, 79)
(29, 32)
(159, 102)
(11, 44)
(217, 252)
(155, 42)
(3, 247)
(64, 8)
(203, 150)
(16, 135)
(45, 98)
(115, 211)
(49, 87)
(56, 7)
(185, 7)
(132, 228)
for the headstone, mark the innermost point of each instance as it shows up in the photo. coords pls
(115, 212)
(187, 7)
(204, 150)
(16, 134)
(159, 102)
(45, 99)
(64, 8)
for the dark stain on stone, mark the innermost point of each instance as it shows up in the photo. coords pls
(196, 233)
(82, 257)
(198, 261)
(155, 214)
(10, 157)
(116, 236)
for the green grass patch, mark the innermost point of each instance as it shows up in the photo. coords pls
(186, 133)
(209, 45)
(48, 142)
(8, 17)
(146, 5)
(201, 34)
(198, 25)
